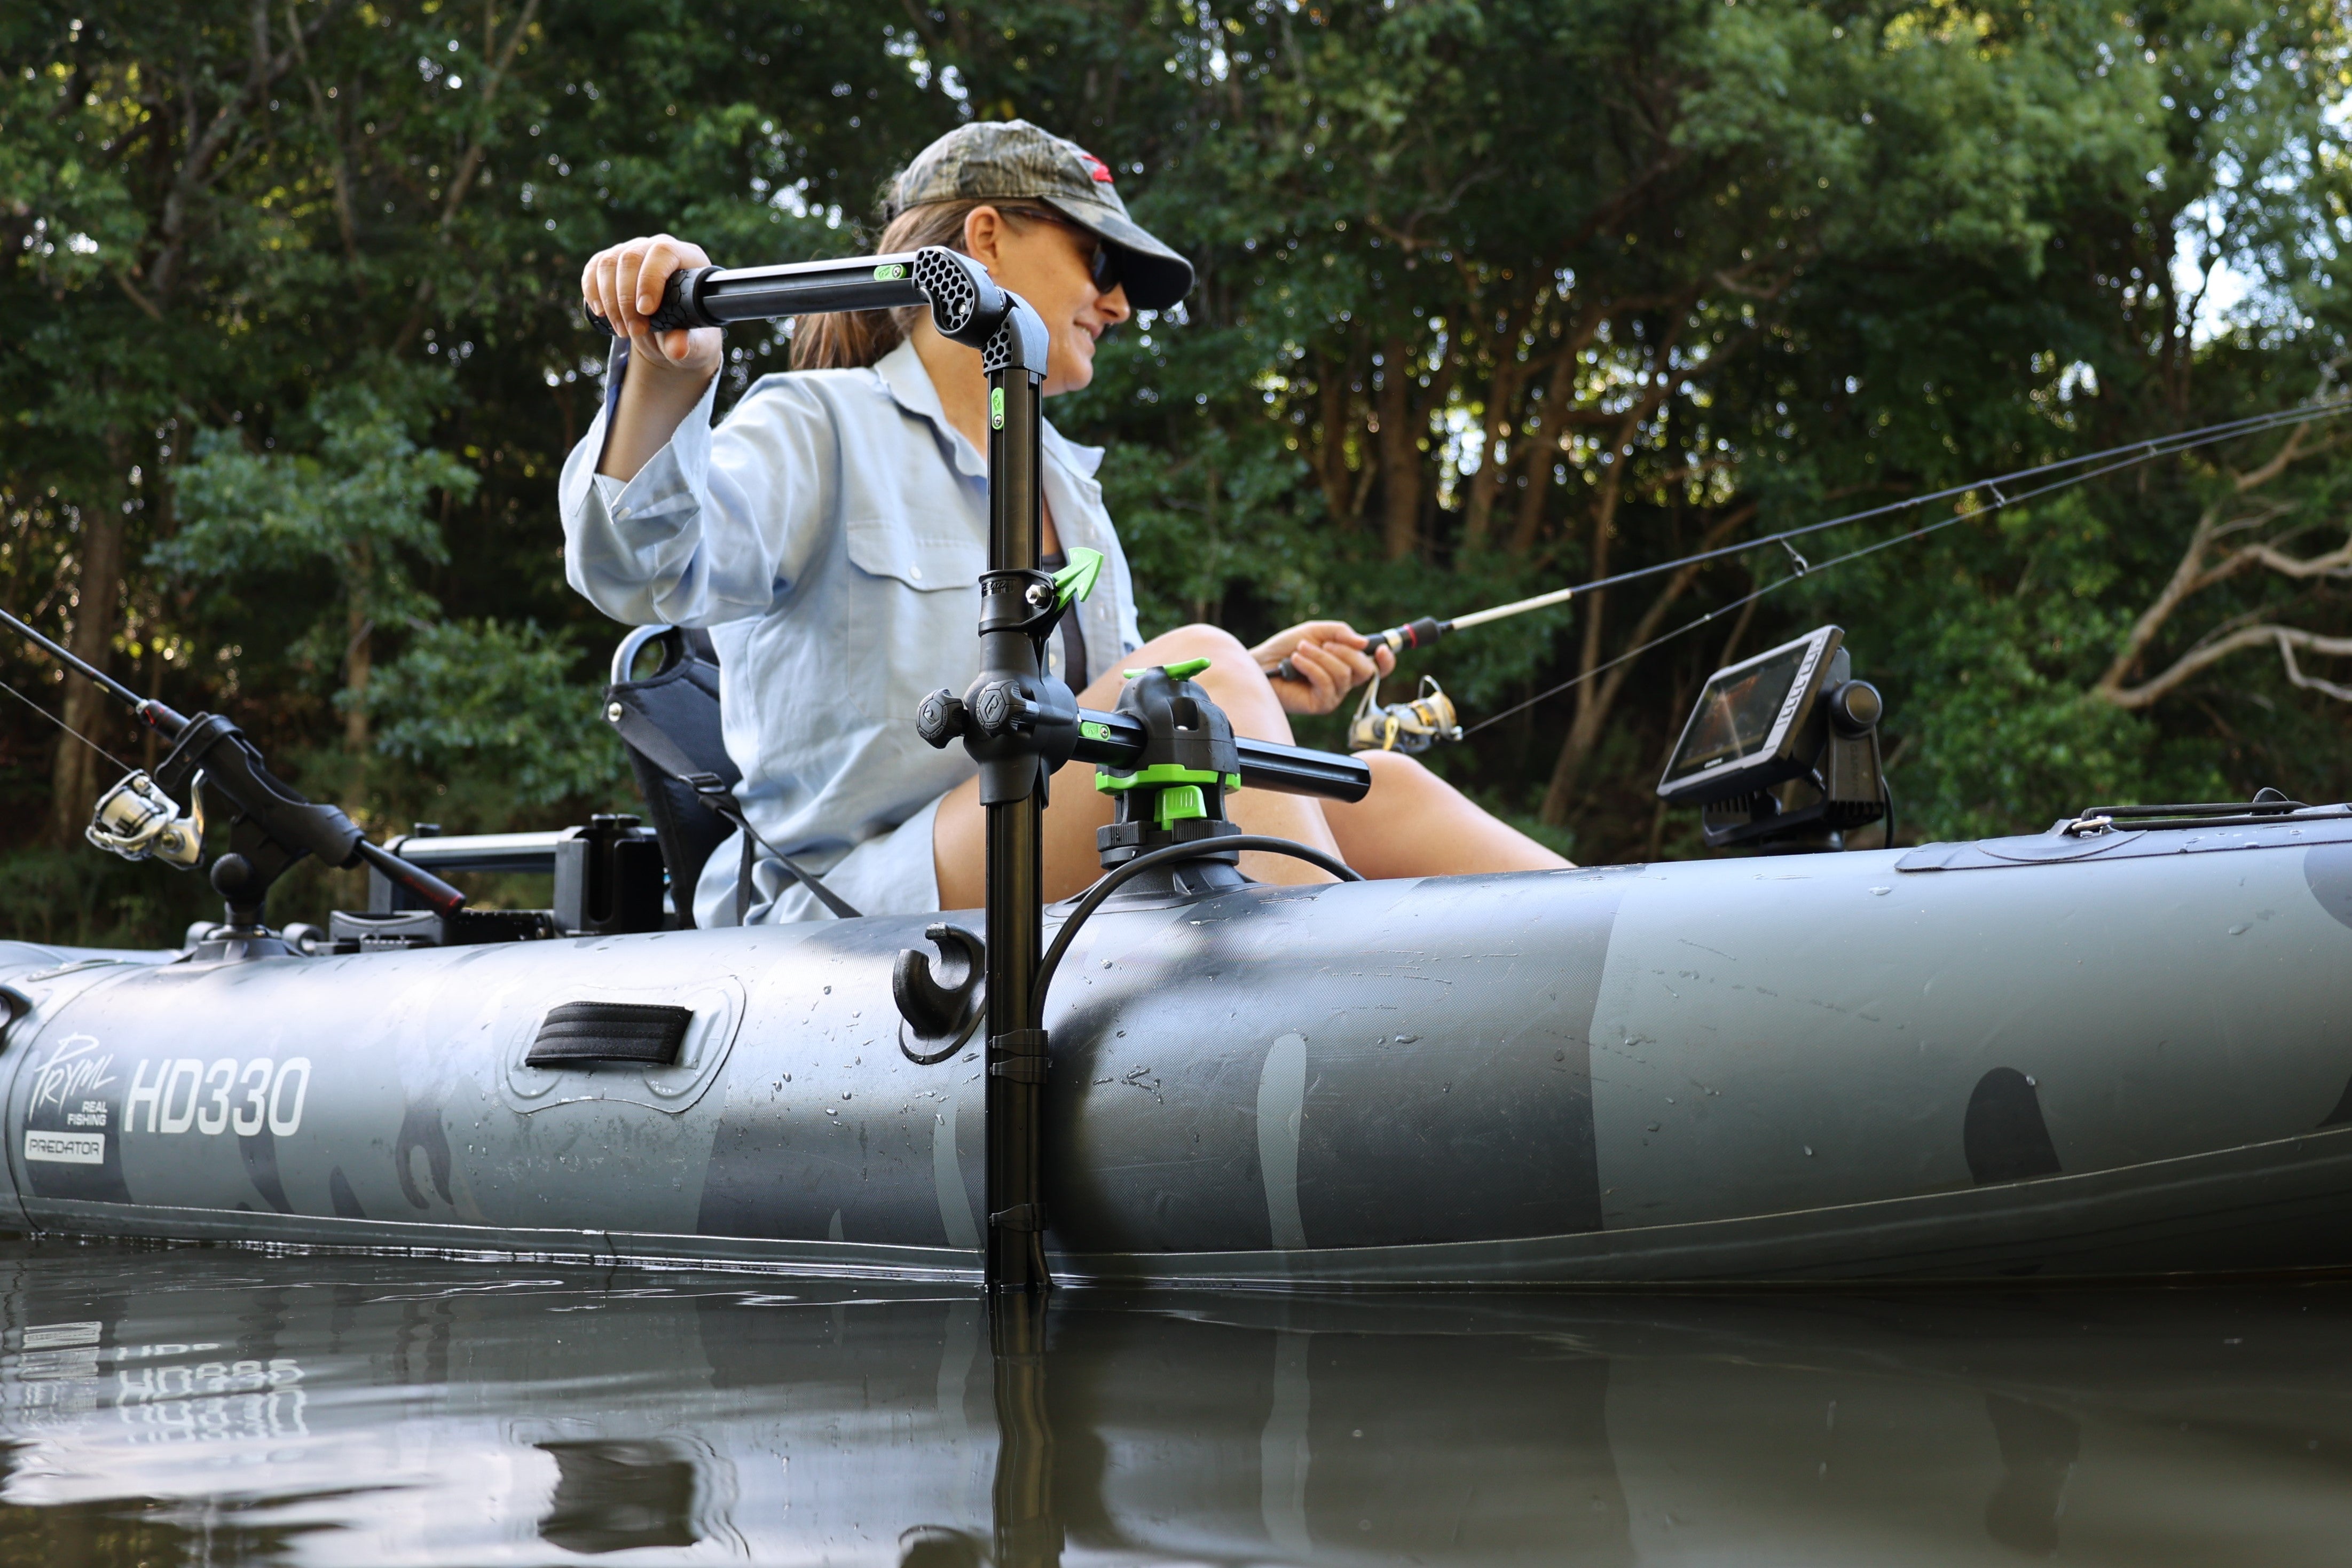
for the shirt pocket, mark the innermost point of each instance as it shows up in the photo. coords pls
(890, 547)
(911, 621)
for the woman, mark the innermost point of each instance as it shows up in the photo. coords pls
(831, 532)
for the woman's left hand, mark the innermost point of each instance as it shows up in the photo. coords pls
(1330, 660)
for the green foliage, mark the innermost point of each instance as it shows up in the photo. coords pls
(1494, 297)
(494, 701)
(352, 511)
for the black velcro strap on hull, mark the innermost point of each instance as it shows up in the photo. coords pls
(626, 1034)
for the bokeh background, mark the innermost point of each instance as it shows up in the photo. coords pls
(1495, 298)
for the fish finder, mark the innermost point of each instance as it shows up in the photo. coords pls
(1781, 751)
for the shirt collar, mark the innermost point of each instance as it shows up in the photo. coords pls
(910, 385)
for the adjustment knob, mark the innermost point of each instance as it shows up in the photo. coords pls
(1855, 707)
(999, 708)
(992, 708)
(940, 719)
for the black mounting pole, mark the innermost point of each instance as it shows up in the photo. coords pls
(1016, 870)
(1016, 722)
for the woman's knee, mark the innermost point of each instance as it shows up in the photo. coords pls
(1198, 641)
(1397, 773)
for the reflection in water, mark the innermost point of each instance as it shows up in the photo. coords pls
(195, 1405)
(617, 1496)
(2039, 1446)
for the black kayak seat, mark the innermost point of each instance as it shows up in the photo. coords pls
(679, 700)
(668, 723)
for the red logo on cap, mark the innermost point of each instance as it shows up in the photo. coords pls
(1095, 166)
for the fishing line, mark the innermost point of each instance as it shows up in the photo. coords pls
(1427, 631)
(2134, 453)
(2142, 452)
(61, 724)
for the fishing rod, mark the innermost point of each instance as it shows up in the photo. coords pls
(1430, 716)
(270, 826)
(1801, 568)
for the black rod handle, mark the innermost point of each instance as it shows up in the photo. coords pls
(1419, 634)
(439, 894)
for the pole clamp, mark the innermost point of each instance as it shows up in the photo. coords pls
(1020, 1068)
(1017, 1042)
(1020, 1216)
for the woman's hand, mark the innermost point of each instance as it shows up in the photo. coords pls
(1330, 660)
(667, 371)
(624, 283)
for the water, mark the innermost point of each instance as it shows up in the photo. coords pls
(184, 1405)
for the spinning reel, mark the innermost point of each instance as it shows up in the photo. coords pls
(137, 820)
(1412, 727)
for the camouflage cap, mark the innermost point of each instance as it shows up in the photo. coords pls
(1012, 160)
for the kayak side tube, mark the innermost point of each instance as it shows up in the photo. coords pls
(1818, 1068)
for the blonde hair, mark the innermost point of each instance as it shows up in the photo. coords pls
(845, 340)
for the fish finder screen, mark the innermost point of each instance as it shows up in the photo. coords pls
(1736, 712)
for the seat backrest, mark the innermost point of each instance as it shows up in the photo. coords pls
(681, 700)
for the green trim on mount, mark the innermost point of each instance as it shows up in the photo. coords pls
(1159, 773)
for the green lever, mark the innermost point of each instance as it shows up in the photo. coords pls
(1077, 580)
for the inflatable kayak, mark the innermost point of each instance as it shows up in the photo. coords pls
(2114, 1054)
(2114, 1049)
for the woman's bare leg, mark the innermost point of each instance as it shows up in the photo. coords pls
(1414, 823)
(1236, 683)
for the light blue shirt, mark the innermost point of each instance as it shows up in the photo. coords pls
(831, 534)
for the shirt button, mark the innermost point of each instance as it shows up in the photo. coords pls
(916, 573)
(619, 512)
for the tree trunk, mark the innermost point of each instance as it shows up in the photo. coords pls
(359, 664)
(1591, 711)
(74, 777)
(1399, 455)
(359, 656)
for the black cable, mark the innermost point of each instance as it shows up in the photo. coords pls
(1886, 789)
(1112, 880)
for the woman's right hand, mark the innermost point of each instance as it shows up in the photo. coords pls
(624, 283)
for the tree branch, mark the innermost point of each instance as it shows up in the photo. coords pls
(2190, 575)
(470, 164)
(2286, 639)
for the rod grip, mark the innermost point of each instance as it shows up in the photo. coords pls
(679, 307)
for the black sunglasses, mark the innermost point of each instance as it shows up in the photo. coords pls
(1103, 266)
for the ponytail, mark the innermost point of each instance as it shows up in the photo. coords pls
(845, 339)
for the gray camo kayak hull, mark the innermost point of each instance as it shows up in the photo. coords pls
(2031, 1057)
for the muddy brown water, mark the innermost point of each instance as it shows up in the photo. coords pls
(162, 1406)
